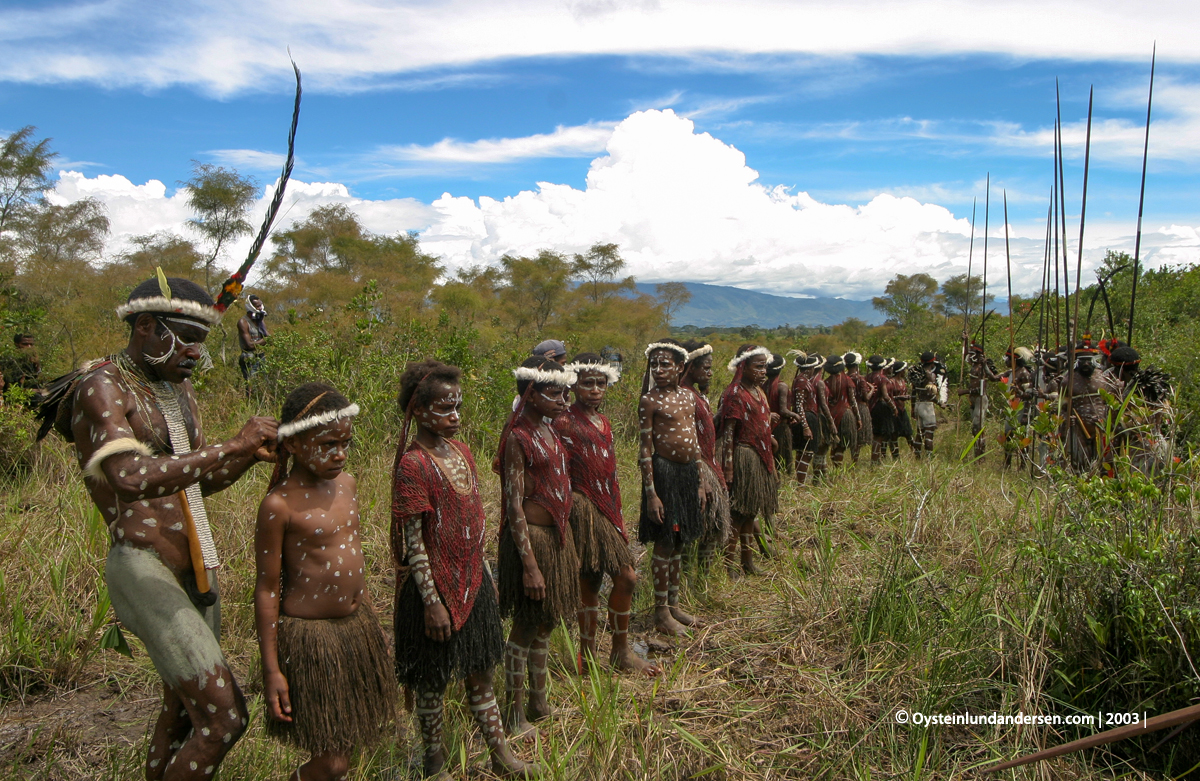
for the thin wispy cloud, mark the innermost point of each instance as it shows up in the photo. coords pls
(251, 159)
(577, 141)
(228, 46)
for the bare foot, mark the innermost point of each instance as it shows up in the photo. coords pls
(538, 709)
(749, 568)
(626, 659)
(665, 623)
(510, 767)
(518, 727)
(684, 618)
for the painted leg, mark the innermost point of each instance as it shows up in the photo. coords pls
(660, 568)
(539, 656)
(170, 731)
(217, 712)
(325, 767)
(803, 465)
(487, 716)
(877, 450)
(746, 534)
(620, 602)
(430, 715)
(837, 457)
(705, 552)
(675, 574)
(516, 660)
(589, 618)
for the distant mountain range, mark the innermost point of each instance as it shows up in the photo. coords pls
(717, 305)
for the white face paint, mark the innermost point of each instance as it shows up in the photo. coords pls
(450, 402)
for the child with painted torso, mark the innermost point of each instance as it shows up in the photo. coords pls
(328, 683)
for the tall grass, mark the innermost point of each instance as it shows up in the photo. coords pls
(936, 586)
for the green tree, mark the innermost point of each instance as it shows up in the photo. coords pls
(672, 296)
(25, 168)
(907, 298)
(534, 288)
(598, 268)
(175, 255)
(220, 198)
(957, 297)
(55, 239)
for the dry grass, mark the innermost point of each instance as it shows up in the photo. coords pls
(899, 587)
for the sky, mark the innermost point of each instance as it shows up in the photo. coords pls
(797, 148)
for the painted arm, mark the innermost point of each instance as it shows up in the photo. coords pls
(268, 559)
(518, 527)
(234, 466)
(109, 449)
(646, 409)
(728, 444)
(785, 404)
(822, 391)
(800, 404)
(437, 618)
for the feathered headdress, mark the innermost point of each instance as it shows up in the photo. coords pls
(610, 372)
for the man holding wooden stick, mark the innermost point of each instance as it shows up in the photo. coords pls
(136, 427)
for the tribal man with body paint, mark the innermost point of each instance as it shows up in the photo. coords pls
(673, 493)
(136, 427)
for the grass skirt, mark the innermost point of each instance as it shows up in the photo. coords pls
(428, 665)
(864, 427)
(560, 570)
(783, 453)
(883, 422)
(678, 487)
(847, 433)
(904, 429)
(755, 491)
(340, 682)
(599, 545)
(820, 433)
(717, 526)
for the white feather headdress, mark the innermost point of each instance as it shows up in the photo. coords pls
(163, 305)
(607, 369)
(294, 427)
(563, 376)
(700, 352)
(747, 356)
(678, 349)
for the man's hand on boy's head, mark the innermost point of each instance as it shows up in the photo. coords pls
(258, 432)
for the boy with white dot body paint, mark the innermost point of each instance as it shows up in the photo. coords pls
(136, 430)
(328, 683)
(447, 618)
(673, 493)
(539, 568)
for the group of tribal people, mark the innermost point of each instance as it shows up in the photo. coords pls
(1107, 404)
(329, 683)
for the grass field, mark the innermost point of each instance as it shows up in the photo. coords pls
(917, 586)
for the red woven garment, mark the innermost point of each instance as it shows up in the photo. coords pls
(772, 390)
(877, 379)
(452, 526)
(841, 394)
(863, 389)
(592, 462)
(706, 431)
(803, 398)
(546, 471)
(755, 416)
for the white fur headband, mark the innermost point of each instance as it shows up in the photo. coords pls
(563, 377)
(607, 369)
(747, 356)
(312, 421)
(163, 305)
(678, 349)
(699, 352)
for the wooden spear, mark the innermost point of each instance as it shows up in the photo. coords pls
(1087, 154)
(1012, 358)
(1137, 246)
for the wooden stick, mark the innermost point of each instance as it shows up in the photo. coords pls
(1181, 716)
(1137, 246)
(189, 524)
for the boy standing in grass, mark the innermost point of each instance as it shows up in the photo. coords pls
(328, 683)
(697, 377)
(596, 520)
(447, 618)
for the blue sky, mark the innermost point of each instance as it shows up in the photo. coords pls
(848, 124)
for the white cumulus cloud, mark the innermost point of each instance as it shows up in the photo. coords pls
(683, 206)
